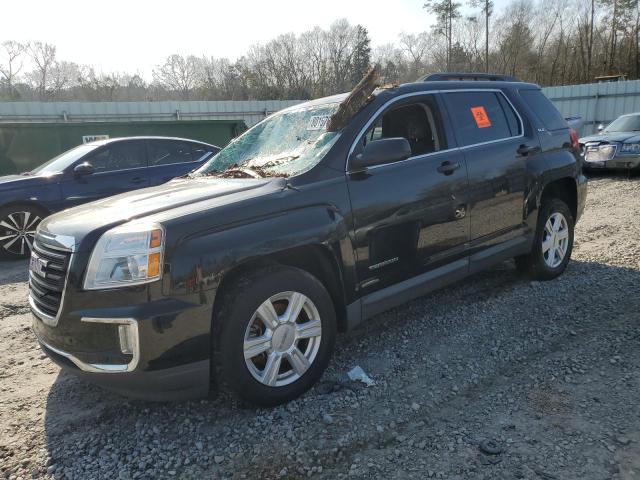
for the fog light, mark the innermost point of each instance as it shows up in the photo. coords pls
(126, 339)
(127, 335)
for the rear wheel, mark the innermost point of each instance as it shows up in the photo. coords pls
(553, 242)
(17, 230)
(273, 335)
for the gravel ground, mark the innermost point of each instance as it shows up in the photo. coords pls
(494, 378)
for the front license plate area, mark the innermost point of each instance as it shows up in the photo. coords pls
(37, 265)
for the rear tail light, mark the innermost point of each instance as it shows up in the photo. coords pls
(575, 142)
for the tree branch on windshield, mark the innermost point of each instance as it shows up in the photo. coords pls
(357, 99)
(236, 171)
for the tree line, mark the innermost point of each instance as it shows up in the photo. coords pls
(549, 42)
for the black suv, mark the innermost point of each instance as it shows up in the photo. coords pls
(241, 274)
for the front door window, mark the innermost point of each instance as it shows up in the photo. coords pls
(119, 156)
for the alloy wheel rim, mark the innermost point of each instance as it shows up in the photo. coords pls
(17, 231)
(555, 240)
(282, 339)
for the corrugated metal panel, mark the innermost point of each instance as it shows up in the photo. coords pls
(24, 146)
(596, 103)
(250, 112)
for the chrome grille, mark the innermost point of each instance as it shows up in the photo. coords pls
(46, 288)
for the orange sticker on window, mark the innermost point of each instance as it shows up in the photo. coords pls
(481, 117)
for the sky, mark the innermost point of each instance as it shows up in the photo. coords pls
(137, 35)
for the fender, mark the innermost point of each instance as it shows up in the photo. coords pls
(45, 197)
(29, 203)
(200, 261)
(558, 165)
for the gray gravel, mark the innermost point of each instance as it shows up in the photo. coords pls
(494, 378)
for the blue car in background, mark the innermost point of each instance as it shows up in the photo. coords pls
(89, 172)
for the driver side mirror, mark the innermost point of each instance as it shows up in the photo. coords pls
(601, 127)
(378, 152)
(83, 169)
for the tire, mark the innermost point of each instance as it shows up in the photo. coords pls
(240, 325)
(18, 224)
(538, 264)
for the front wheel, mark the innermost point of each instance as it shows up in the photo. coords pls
(273, 335)
(553, 242)
(17, 230)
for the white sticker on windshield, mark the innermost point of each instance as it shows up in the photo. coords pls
(318, 122)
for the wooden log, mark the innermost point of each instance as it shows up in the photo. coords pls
(357, 99)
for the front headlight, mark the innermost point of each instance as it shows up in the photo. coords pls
(630, 148)
(127, 255)
(600, 153)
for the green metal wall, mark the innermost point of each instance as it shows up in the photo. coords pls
(24, 146)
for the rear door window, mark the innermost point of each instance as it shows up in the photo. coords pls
(543, 109)
(480, 117)
(166, 152)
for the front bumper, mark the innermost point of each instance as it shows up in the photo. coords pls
(136, 340)
(157, 350)
(170, 384)
(620, 162)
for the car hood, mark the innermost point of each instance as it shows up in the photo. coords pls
(613, 137)
(22, 181)
(96, 217)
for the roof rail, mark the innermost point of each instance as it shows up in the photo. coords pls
(492, 77)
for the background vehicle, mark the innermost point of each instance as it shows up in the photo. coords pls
(241, 274)
(89, 172)
(617, 146)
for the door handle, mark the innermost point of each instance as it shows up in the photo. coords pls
(524, 150)
(448, 167)
(137, 180)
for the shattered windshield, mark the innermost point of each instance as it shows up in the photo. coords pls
(285, 144)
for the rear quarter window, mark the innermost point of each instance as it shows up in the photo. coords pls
(543, 109)
(480, 117)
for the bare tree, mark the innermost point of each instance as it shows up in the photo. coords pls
(546, 18)
(446, 11)
(416, 47)
(178, 73)
(544, 41)
(590, 40)
(63, 76)
(486, 7)
(392, 64)
(340, 44)
(11, 63)
(516, 38)
(43, 56)
(313, 50)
